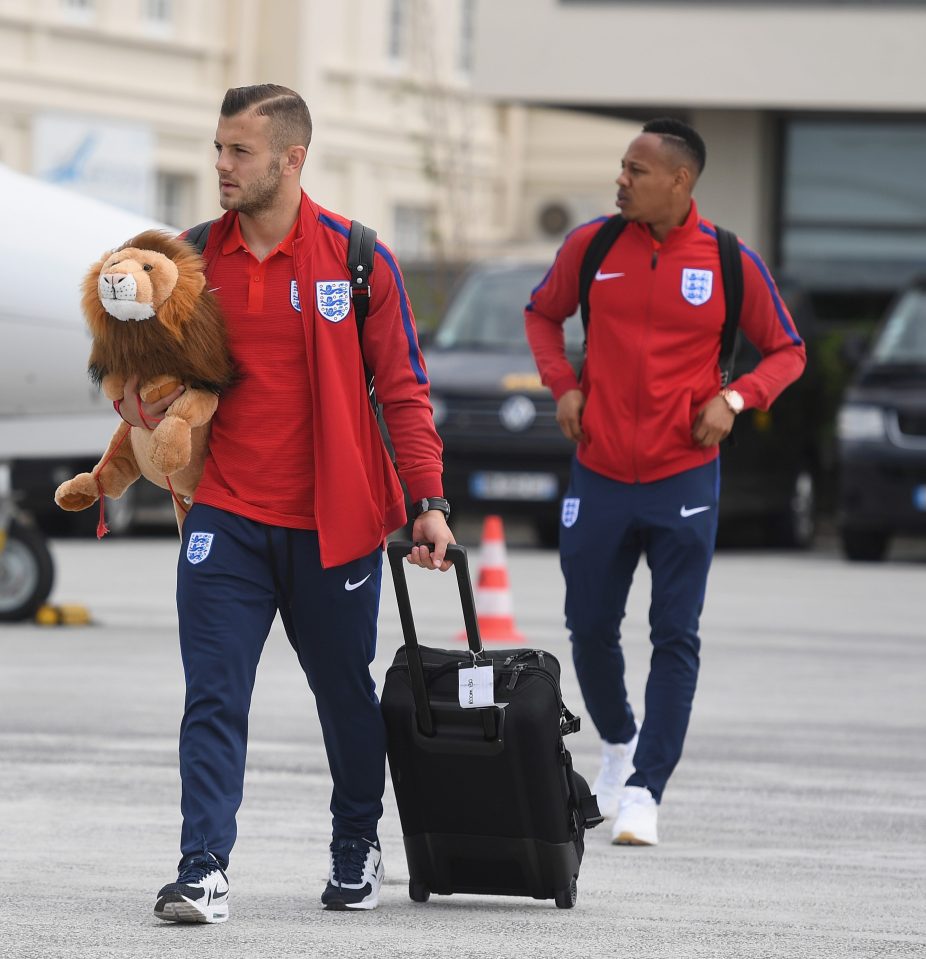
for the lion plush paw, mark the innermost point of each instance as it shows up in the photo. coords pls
(157, 388)
(170, 445)
(77, 493)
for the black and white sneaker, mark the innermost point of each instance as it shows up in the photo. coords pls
(355, 874)
(200, 893)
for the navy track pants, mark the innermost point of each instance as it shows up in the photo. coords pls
(233, 575)
(606, 526)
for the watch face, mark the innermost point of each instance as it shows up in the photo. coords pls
(736, 401)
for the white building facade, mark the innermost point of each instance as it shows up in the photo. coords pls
(118, 99)
(814, 113)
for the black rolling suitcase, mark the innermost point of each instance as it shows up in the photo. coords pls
(488, 799)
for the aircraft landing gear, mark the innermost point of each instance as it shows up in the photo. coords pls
(26, 568)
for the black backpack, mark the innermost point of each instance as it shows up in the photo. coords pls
(731, 270)
(361, 245)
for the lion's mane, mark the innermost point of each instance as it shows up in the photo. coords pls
(186, 337)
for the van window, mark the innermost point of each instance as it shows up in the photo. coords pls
(487, 312)
(903, 339)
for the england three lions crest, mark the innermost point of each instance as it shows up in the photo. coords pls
(332, 297)
(199, 547)
(697, 286)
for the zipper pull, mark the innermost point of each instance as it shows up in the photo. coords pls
(540, 658)
(655, 260)
(515, 675)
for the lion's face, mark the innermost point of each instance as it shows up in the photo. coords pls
(150, 315)
(134, 283)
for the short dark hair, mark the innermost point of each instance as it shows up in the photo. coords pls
(290, 121)
(680, 135)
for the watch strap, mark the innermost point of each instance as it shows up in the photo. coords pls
(429, 503)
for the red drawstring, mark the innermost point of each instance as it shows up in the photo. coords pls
(177, 500)
(101, 528)
(142, 415)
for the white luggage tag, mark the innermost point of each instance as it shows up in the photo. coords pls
(476, 685)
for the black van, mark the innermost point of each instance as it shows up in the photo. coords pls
(881, 433)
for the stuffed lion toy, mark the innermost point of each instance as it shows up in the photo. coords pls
(151, 316)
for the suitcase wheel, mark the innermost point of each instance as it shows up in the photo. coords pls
(565, 898)
(419, 892)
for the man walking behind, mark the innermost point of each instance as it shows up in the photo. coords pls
(647, 416)
(296, 499)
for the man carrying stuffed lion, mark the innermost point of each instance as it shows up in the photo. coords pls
(296, 498)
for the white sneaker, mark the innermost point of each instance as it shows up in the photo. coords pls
(636, 819)
(200, 893)
(616, 769)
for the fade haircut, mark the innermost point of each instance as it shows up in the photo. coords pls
(290, 122)
(681, 137)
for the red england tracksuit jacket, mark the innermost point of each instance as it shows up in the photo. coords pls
(656, 315)
(358, 497)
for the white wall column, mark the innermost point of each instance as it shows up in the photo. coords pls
(737, 189)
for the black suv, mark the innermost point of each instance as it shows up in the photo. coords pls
(881, 429)
(503, 450)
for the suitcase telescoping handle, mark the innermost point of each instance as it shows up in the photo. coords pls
(397, 551)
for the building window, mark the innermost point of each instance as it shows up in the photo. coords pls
(467, 31)
(854, 202)
(79, 11)
(414, 232)
(157, 16)
(173, 199)
(398, 29)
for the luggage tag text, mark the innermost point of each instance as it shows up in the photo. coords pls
(476, 686)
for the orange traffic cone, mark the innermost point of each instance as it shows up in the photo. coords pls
(493, 594)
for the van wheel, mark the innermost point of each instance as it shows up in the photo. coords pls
(26, 573)
(865, 545)
(797, 526)
(566, 898)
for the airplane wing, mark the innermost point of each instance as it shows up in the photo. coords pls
(48, 406)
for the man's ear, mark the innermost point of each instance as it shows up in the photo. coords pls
(294, 159)
(684, 178)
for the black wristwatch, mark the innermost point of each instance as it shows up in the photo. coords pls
(431, 502)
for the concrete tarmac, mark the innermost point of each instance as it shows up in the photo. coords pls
(795, 825)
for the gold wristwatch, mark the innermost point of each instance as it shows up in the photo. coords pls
(734, 400)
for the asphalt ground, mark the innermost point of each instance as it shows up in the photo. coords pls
(795, 824)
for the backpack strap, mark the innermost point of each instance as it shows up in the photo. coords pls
(731, 270)
(198, 236)
(361, 247)
(597, 250)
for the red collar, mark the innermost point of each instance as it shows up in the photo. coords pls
(677, 233)
(235, 241)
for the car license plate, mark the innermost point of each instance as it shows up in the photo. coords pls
(919, 498)
(520, 486)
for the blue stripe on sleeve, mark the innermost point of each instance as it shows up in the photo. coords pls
(403, 299)
(543, 282)
(783, 318)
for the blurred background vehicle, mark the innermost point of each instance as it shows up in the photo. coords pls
(881, 430)
(504, 452)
